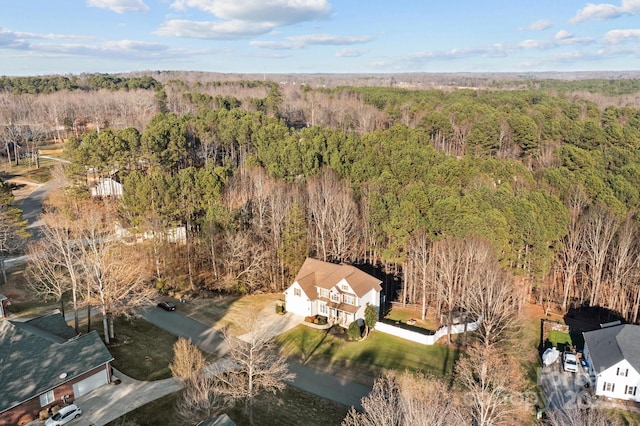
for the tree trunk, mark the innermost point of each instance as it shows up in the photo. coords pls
(4, 270)
(105, 325)
(112, 334)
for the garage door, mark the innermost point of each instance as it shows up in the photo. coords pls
(90, 383)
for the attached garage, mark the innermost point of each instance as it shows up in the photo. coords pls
(90, 383)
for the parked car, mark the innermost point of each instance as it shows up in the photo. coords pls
(64, 416)
(167, 306)
(570, 362)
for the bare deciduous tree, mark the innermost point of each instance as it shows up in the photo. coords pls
(257, 368)
(187, 359)
(571, 256)
(200, 399)
(599, 229)
(407, 399)
(490, 382)
(491, 298)
(575, 416)
(54, 260)
(418, 257)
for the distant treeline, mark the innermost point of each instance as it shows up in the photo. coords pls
(612, 87)
(51, 84)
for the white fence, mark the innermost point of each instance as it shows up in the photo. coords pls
(424, 339)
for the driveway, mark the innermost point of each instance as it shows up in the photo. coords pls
(565, 390)
(307, 378)
(109, 402)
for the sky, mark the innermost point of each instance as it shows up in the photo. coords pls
(42, 37)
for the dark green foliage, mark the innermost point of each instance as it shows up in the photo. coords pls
(494, 164)
(51, 84)
(354, 331)
(370, 317)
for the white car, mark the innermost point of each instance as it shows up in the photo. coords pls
(64, 416)
(570, 362)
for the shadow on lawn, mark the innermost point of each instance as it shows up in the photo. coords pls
(308, 347)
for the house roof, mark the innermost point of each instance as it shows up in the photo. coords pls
(34, 355)
(608, 346)
(221, 420)
(316, 273)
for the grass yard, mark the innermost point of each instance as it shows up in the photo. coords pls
(626, 417)
(231, 311)
(28, 171)
(291, 407)
(22, 303)
(141, 350)
(559, 339)
(403, 315)
(366, 359)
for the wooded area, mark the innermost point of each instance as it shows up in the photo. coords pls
(543, 179)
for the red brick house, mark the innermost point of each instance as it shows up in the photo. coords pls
(44, 363)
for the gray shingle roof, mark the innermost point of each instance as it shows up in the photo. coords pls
(608, 346)
(32, 357)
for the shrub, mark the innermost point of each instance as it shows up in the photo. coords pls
(280, 309)
(354, 331)
(322, 320)
(308, 319)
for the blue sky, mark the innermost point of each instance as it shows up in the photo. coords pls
(326, 36)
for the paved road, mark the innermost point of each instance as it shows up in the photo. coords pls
(308, 379)
(32, 207)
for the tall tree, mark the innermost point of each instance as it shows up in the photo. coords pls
(257, 368)
(600, 224)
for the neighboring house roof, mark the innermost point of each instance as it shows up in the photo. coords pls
(107, 187)
(316, 273)
(608, 346)
(221, 420)
(34, 354)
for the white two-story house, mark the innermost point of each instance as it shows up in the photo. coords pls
(339, 292)
(613, 357)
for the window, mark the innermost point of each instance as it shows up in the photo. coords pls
(344, 287)
(297, 292)
(630, 390)
(335, 297)
(324, 292)
(323, 308)
(349, 299)
(609, 387)
(46, 398)
(622, 372)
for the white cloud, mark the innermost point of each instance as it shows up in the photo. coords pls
(213, 30)
(302, 41)
(620, 36)
(12, 40)
(563, 35)
(540, 25)
(120, 6)
(350, 53)
(604, 11)
(275, 12)
(327, 39)
(243, 18)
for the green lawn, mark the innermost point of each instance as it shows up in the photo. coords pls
(141, 350)
(559, 339)
(404, 315)
(366, 358)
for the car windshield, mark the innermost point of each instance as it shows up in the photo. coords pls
(56, 416)
(571, 361)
